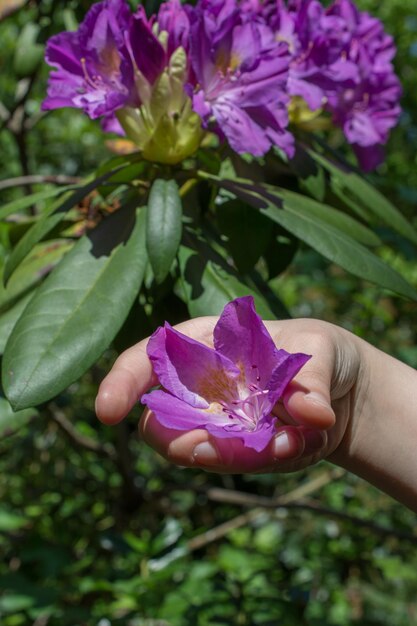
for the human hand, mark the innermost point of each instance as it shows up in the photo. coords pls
(314, 415)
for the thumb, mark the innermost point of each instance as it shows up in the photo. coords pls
(307, 398)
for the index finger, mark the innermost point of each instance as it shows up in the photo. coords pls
(132, 374)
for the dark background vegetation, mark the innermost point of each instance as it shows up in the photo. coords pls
(97, 530)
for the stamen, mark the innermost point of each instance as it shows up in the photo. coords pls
(90, 81)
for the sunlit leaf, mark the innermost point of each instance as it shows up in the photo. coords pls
(362, 195)
(163, 226)
(50, 218)
(77, 311)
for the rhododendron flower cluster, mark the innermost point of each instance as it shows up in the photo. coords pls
(229, 390)
(240, 69)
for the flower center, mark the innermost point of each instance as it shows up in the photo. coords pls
(252, 407)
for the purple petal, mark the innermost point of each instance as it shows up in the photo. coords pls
(62, 51)
(243, 134)
(62, 88)
(241, 336)
(201, 107)
(190, 370)
(288, 366)
(93, 71)
(110, 124)
(176, 414)
(273, 121)
(173, 19)
(147, 51)
(369, 157)
(312, 94)
(257, 439)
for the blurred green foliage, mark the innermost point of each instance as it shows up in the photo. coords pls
(96, 530)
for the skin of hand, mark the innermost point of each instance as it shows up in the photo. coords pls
(339, 407)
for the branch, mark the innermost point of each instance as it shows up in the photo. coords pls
(316, 507)
(218, 532)
(247, 499)
(295, 499)
(37, 179)
(4, 112)
(88, 443)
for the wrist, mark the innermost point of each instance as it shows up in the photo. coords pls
(381, 435)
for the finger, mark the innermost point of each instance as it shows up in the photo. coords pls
(314, 448)
(308, 402)
(307, 398)
(120, 390)
(132, 374)
(197, 448)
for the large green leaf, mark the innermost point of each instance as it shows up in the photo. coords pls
(359, 193)
(77, 311)
(326, 213)
(50, 218)
(326, 239)
(34, 268)
(208, 284)
(163, 226)
(9, 318)
(310, 174)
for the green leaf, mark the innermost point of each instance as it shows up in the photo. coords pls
(50, 218)
(27, 201)
(280, 252)
(248, 233)
(77, 311)
(9, 318)
(343, 222)
(40, 262)
(15, 603)
(361, 194)
(208, 284)
(163, 226)
(11, 422)
(28, 53)
(325, 239)
(310, 174)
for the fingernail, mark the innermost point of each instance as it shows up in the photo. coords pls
(285, 447)
(205, 453)
(314, 440)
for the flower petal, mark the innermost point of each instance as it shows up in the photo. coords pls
(190, 370)
(257, 439)
(147, 51)
(174, 413)
(241, 336)
(287, 367)
(242, 132)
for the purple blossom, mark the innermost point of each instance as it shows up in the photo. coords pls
(230, 390)
(232, 67)
(368, 108)
(241, 78)
(341, 63)
(93, 67)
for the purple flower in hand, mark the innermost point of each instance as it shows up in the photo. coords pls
(230, 390)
